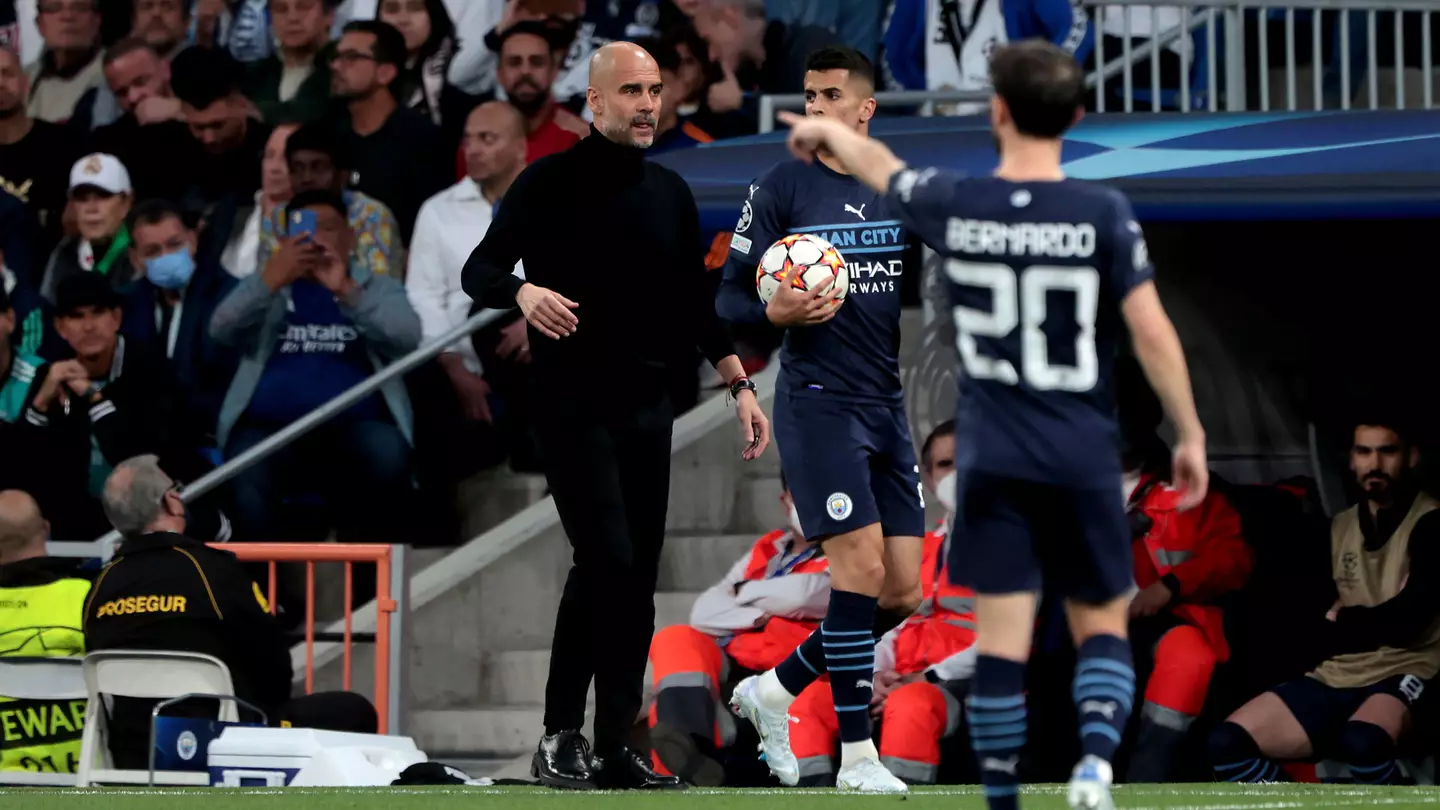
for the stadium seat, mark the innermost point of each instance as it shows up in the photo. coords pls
(41, 679)
(146, 674)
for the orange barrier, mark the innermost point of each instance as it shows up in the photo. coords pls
(349, 554)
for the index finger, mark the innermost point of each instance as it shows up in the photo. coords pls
(788, 118)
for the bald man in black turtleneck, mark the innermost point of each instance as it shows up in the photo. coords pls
(615, 293)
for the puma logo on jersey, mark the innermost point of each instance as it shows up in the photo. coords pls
(866, 684)
(1002, 765)
(753, 189)
(859, 212)
(1103, 707)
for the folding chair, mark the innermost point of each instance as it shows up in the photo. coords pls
(147, 674)
(57, 679)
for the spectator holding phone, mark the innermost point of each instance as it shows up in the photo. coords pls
(313, 324)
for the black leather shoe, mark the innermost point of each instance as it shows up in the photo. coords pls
(563, 761)
(692, 759)
(628, 769)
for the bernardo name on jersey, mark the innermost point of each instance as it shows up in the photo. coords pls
(1037, 273)
(855, 355)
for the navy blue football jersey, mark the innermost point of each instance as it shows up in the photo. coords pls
(1037, 273)
(855, 356)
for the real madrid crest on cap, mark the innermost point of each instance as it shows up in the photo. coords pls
(92, 165)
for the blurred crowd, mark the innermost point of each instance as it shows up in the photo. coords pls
(161, 159)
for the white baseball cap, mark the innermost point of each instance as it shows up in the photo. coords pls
(102, 171)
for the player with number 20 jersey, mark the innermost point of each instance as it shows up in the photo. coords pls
(1042, 272)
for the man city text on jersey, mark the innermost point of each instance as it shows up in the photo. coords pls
(854, 355)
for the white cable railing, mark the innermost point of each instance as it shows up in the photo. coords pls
(1326, 54)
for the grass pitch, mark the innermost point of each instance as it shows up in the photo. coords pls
(1039, 797)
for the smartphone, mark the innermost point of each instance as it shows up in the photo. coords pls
(302, 224)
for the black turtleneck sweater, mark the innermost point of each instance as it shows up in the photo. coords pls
(620, 236)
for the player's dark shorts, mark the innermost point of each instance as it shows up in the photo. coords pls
(1012, 536)
(1323, 710)
(849, 465)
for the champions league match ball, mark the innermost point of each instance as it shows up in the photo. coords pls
(806, 261)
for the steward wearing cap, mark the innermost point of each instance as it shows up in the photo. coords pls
(112, 401)
(100, 194)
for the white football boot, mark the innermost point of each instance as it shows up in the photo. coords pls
(868, 776)
(1090, 785)
(773, 727)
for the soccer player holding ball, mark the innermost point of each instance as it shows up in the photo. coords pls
(1045, 275)
(839, 419)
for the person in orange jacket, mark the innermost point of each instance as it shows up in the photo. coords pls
(772, 599)
(921, 667)
(1184, 563)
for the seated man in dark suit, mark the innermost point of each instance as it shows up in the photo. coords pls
(168, 309)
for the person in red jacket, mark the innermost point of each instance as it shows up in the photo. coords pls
(771, 600)
(1184, 562)
(922, 667)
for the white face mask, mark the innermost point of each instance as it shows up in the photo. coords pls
(945, 491)
(795, 521)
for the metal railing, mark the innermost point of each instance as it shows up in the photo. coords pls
(1230, 69)
(104, 547)
(1332, 58)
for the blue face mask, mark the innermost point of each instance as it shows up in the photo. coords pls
(171, 271)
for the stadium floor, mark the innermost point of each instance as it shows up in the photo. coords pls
(1041, 797)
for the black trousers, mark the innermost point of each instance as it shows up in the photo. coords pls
(608, 466)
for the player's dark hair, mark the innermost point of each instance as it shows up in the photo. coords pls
(1390, 418)
(1041, 84)
(202, 76)
(316, 136)
(125, 47)
(155, 211)
(318, 198)
(389, 48)
(946, 428)
(839, 57)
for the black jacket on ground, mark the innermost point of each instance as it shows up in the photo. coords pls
(166, 591)
(620, 236)
(141, 410)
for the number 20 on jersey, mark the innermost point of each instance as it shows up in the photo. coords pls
(1019, 300)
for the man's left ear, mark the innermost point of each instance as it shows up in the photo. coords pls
(867, 110)
(172, 498)
(387, 74)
